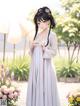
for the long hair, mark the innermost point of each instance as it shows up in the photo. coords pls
(44, 14)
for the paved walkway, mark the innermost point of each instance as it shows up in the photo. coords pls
(64, 88)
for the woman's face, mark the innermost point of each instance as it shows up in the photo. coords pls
(42, 25)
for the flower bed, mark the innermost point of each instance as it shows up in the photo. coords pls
(7, 91)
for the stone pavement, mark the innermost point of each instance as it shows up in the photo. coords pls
(63, 88)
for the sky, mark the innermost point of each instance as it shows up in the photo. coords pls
(23, 7)
(52, 4)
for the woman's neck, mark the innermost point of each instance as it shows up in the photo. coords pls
(43, 32)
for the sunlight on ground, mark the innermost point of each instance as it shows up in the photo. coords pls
(64, 89)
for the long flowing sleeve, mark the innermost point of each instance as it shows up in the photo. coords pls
(51, 50)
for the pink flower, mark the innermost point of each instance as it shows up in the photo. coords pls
(4, 97)
(11, 90)
(15, 94)
(6, 91)
(11, 96)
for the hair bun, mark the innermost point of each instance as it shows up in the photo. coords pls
(44, 9)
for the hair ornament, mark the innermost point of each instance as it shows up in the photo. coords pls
(47, 11)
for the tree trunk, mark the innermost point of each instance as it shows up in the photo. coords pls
(14, 47)
(4, 47)
(24, 47)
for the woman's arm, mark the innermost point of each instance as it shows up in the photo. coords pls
(31, 44)
(51, 50)
(30, 48)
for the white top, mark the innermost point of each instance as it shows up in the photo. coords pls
(51, 49)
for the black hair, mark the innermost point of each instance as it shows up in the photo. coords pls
(44, 14)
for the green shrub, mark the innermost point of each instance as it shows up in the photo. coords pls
(65, 70)
(20, 68)
(68, 72)
(21, 65)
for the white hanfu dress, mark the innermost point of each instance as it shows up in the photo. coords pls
(42, 83)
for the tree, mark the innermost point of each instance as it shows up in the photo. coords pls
(68, 28)
(67, 4)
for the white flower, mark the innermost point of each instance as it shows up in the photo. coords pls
(11, 89)
(3, 87)
(10, 95)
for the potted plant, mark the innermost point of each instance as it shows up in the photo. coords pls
(68, 74)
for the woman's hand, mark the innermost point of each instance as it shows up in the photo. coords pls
(34, 43)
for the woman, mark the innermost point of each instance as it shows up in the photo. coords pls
(42, 83)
